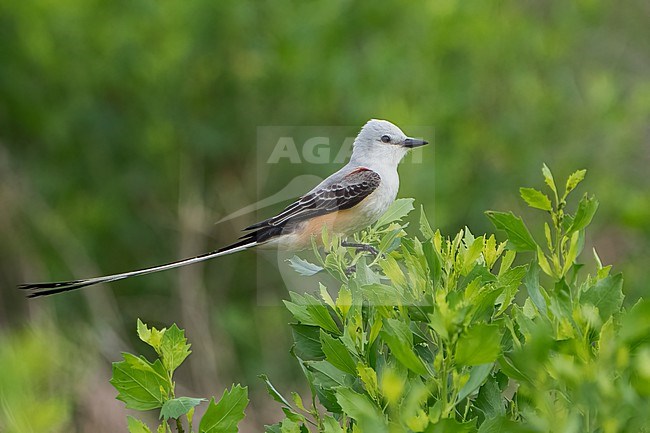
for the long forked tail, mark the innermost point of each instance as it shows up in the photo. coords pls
(50, 288)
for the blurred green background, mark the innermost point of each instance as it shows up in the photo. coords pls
(127, 128)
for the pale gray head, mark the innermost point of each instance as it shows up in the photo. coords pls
(382, 142)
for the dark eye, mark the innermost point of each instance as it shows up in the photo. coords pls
(385, 138)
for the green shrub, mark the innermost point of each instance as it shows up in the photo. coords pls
(433, 334)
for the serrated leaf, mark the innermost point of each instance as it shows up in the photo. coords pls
(586, 209)
(397, 210)
(177, 407)
(330, 425)
(307, 342)
(536, 199)
(489, 399)
(326, 297)
(223, 416)
(479, 344)
(344, 301)
(471, 255)
(399, 339)
(337, 354)
(174, 348)
(153, 337)
(519, 238)
(369, 378)
(425, 227)
(303, 267)
(574, 179)
(606, 294)
(327, 376)
(360, 408)
(310, 311)
(140, 384)
(136, 426)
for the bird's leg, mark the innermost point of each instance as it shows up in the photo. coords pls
(350, 270)
(360, 247)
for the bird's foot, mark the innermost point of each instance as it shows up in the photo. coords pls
(350, 270)
(361, 247)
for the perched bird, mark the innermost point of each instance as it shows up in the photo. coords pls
(347, 201)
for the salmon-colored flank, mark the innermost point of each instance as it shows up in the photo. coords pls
(314, 226)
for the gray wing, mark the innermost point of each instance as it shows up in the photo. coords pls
(338, 194)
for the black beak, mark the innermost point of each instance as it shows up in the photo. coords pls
(413, 142)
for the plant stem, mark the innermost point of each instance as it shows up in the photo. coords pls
(179, 425)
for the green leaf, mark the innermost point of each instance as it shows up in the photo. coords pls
(153, 337)
(307, 343)
(336, 353)
(293, 416)
(177, 407)
(174, 348)
(519, 238)
(450, 425)
(303, 267)
(330, 425)
(140, 384)
(635, 324)
(364, 275)
(327, 376)
(274, 393)
(548, 178)
(275, 428)
(360, 408)
(472, 254)
(479, 344)
(310, 311)
(586, 209)
(399, 339)
(489, 399)
(297, 400)
(574, 247)
(606, 294)
(531, 281)
(136, 426)
(434, 261)
(536, 199)
(501, 424)
(223, 417)
(477, 376)
(369, 378)
(425, 227)
(398, 210)
(573, 181)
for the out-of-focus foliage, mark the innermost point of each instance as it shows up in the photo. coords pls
(128, 128)
(33, 367)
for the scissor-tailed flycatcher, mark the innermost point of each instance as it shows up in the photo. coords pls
(349, 200)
